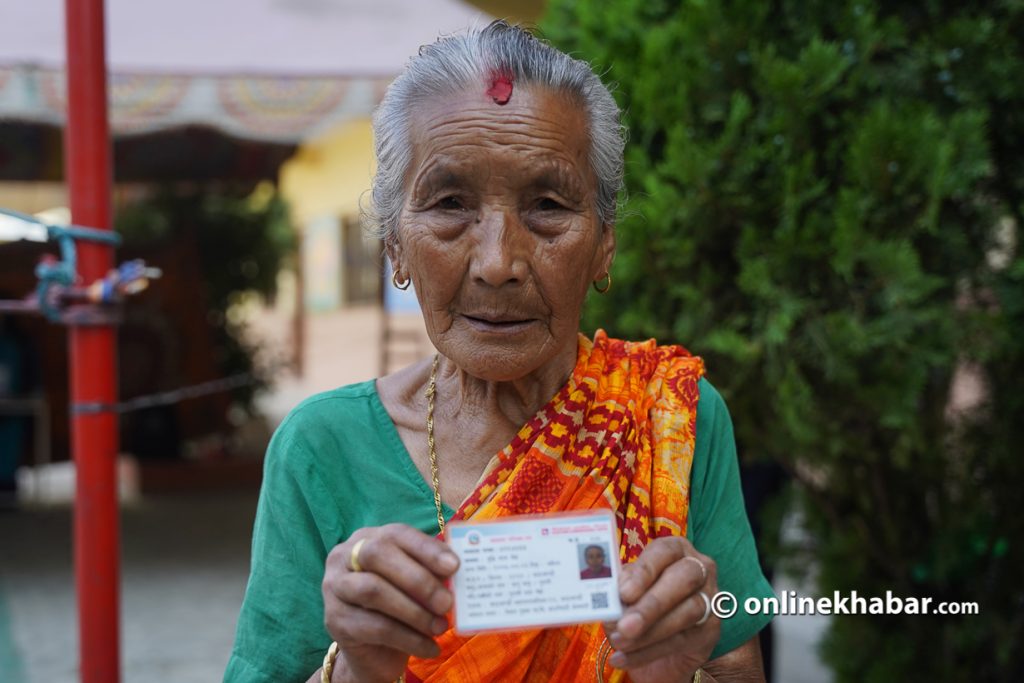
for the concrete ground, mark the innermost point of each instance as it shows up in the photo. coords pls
(185, 558)
(184, 566)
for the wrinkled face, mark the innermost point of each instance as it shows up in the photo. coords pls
(594, 557)
(499, 232)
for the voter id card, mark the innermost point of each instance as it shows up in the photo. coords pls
(535, 571)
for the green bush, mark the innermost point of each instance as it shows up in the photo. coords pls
(241, 240)
(823, 202)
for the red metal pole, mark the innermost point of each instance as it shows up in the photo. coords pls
(92, 352)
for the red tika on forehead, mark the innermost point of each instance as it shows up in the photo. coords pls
(501, 88)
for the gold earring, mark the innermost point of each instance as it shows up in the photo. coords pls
(607, 285)
(403, 286)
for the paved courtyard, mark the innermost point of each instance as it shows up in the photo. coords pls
(185, 561)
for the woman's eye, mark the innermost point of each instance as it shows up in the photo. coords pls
(548, 204)
(449, 203)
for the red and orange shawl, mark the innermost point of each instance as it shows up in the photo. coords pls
(619, 435)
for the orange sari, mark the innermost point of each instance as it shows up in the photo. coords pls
(619, 435)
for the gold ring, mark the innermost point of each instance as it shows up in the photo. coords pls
(353, 557)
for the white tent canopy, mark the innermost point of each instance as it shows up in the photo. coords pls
(276, 70)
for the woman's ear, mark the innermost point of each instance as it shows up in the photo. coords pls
(606, 250)
(394, 252)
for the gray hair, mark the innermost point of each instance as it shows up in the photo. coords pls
(458, 62)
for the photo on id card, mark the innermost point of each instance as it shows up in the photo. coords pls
(535, 571)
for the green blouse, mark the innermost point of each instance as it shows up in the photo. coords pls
(337, 464)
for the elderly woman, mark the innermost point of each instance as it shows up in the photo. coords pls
(500, 160)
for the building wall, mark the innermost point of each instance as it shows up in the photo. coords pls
(327, 176)
(323, 184)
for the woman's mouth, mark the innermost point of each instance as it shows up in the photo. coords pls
(497, 324)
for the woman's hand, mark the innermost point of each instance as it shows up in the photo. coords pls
(391, 608)
(658, 639)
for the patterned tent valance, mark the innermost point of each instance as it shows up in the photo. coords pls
(276, 109)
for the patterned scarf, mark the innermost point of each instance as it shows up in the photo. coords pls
(619, 435)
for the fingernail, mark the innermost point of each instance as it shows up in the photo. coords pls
(441, 602)
(618, 660)
(615, 638)
(631, 624)
(448, 562)
(440, 625)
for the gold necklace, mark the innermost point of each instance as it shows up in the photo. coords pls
(434, 480)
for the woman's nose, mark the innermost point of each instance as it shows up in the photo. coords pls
(501, 252)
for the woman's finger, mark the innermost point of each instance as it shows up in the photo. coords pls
(433, 553)
(373, 592)
(675, 582)
(358, 627)
(684, 615)
(636, 577)
(411, 561)
(673, 645)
